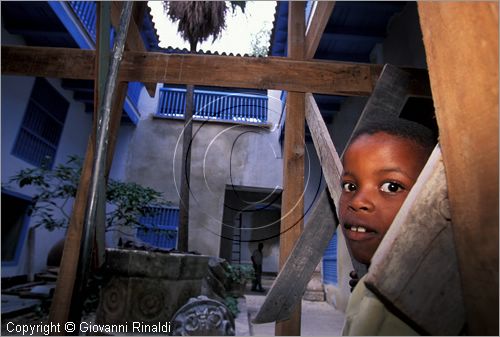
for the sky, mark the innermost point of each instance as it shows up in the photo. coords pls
(234, 39)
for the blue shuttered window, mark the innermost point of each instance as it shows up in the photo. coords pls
(160, 227)
(330, 262)
(208, 105)
(42, 125)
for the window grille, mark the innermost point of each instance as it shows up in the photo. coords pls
(42, 125)
(159, 228)
(208, 105)
(330, 262)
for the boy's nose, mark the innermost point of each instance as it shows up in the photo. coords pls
(361, 201)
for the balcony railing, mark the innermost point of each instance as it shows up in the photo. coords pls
(86, 12)
(208, 105)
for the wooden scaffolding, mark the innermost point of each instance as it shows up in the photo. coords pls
(461, 44)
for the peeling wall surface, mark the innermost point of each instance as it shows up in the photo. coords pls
(221, 155)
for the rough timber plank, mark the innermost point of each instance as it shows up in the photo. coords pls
(329, 159)
(318, 22)
(289, 286)
(325, 77)
(134, 40)
(61, 302)
(60, 310)
(327, 154)
(66, 304)
(292, 208)
(461, 44)
(418, 252)
(390, 93)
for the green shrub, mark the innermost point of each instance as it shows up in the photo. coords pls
(55, 188)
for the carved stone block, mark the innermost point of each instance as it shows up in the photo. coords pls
(148, 287)
(202, 316)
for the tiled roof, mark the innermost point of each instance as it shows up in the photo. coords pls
(172, 50)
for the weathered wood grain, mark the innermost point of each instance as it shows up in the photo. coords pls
(327, 154)
(289, 286)
(318, 22)
(330, 162)
(390, 94)
(292, 202)
(461, 44)
(415, 268)
(134, 41)
(325, 77)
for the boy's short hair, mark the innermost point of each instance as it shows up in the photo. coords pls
(400, 127)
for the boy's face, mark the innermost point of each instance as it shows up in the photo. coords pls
(379, 171)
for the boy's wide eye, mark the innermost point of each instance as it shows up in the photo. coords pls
(348, 187)
(391, 187)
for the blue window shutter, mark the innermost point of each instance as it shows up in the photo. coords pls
(330, 262)
(160, 228)
(42, 125)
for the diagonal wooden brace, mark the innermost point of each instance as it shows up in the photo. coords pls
(289, 286)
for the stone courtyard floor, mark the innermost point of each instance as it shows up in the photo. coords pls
(318, 318)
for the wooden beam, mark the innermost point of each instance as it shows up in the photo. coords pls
(389, 95)
(102, 64)
(461, 44)
(66, 304)
(327, 154)
(134, 40)
(61, 310)
(427, 294)
(326, 77)
(319, 20)
(292, 209)
(289, 286)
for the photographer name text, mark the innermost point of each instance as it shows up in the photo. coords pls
(86, 327)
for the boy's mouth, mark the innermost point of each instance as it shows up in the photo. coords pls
(358, 228)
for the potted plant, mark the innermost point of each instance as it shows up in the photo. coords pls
(239, 275)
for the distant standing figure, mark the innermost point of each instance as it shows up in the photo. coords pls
(257, 266)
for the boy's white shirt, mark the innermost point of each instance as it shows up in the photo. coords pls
(366, 315)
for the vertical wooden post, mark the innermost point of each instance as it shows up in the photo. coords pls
(60, 309)
(103, 53)
(292, 209)
(183, 239)
(461, 44)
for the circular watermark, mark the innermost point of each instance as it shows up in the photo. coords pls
(219, 149)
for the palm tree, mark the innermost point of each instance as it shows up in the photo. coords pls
(198, 20)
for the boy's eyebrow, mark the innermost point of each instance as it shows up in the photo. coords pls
(381, 171)
(347, 173)
(394, 169)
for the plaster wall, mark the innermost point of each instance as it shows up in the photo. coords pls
(222, 154)
(15, 93)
